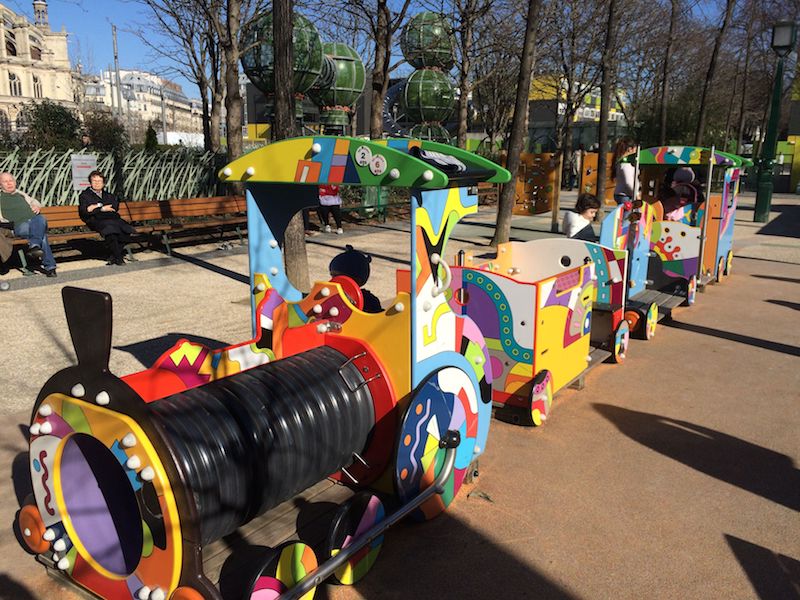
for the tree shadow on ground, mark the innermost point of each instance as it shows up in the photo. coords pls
(443, 558)
(785, 225)
(736, 337)
(786, 303)
(199, 262)
(748, 466)
(147, 351)
(773, 576)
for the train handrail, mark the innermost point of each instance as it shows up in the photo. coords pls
(450, 441)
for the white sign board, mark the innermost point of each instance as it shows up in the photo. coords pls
(82, 165)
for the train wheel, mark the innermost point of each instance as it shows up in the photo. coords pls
(728, 263)
(651, 322)
(354, 518)
(280, 569)
(32, 529)
(691, 291)
(621, 338)
(720, 269)
(541, 397)
(634, 319)
(446, 400)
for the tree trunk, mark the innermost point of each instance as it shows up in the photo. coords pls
(217, 98)
(673, 21)
(743, 105)
(505, 206)
(712, 68)
(203, 87)
(379, 82)
(294, 243)
(465, 35)
(233, 97)
(609, 51)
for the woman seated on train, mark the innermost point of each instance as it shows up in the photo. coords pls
(578, 223)
(680, 194)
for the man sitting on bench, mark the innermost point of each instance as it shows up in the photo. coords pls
(22, 212)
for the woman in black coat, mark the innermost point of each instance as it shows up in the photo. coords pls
(99, 210)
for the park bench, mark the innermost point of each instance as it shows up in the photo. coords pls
(160, 219)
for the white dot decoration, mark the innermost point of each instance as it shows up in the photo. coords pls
(427, 175)
(49, 535)
(144, 593)
(273, 271)
(78, 391)
(147, 474)
(102, 398)
(316, 148)
(129, 440)
(399, 307)
(322, 328)
(334, 312)
(63, 564)
(317, 309)
(394, 173)
(325, 292)
(251, 171)
(60, 545)
(134, 462)
(27, 532)
(273, 243)
(46, 428)
(45, 410)
(227, 171)
(261, 287)
(157, 594)
(426, 306)
(35, 428)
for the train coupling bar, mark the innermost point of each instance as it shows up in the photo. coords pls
(450, 442)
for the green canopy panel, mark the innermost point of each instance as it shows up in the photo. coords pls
(317, 160)
(683, 155)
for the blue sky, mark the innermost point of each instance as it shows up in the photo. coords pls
(89, 24)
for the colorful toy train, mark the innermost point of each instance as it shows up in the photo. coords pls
(133, 476)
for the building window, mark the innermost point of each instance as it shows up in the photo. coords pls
(11, 44)
(22, 123)
(14, 85)
(37, 87)
(36, 53)
(5, 124)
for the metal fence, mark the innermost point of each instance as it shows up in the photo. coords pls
(136, 175)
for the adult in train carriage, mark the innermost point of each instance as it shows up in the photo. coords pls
(99, 209)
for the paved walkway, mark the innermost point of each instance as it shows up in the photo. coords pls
(672, 476)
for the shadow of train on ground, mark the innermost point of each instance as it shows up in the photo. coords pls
(773, 576)
(750, 467)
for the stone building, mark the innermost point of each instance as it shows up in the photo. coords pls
(34, 64)
(141, 94)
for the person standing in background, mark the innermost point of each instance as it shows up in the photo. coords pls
(623, 173)
(330, 203)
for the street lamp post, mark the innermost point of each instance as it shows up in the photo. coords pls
(784, 35)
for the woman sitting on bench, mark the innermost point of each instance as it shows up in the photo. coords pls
(99, 210)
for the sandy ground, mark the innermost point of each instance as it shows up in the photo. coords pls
(672, 476)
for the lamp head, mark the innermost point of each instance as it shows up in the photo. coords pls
(784, 37)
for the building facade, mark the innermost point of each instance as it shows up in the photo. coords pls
(34, 64)
(143, 98)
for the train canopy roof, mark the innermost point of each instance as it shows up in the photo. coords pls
(685, 155)
(339, 160)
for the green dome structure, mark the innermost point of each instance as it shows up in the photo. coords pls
(337, 98)
(428, 96)
(427, 41)
(258, 59)
(431, 131)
